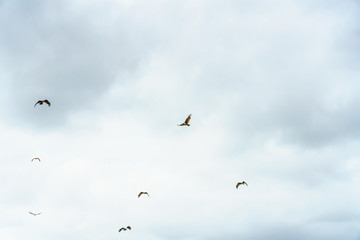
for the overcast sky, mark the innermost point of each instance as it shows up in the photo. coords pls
(273, 89)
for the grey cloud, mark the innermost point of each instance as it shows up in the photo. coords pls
(67, 54)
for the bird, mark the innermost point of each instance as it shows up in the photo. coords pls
(240, 183)
(143, 193)
(35, 159)
(186, 123)
(35, 214)
(40, 102)
(128, 227)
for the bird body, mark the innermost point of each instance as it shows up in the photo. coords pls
(35, 159)
(141, 193)
(240, 183)
(40, 102)
(186, 123)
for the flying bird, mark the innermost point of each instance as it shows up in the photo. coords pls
(35, 214)
(40, 102)
(141, 193)
(35, 159)
(186, 123)
(240, 183)
(128, 227)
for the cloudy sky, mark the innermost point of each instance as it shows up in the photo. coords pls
(273, 89)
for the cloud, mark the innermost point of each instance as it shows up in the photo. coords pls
(261, 80)
(67, 53)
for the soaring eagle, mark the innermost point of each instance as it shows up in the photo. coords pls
(240, 183)
(186, 123)
(40, 102)
(35, 159)
(141, 193)
(128, 227)
(35, 214)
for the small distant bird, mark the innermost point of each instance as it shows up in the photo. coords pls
(35, 159)
(186, 123)
(141, 193)
(128, 227)
(240, 183)
(40, 102)
(35, 214)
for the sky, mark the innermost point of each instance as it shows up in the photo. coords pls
(272, 86)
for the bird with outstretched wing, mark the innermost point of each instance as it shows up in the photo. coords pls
(124, 229)
(141, 193)
(36, 159)
(35, 214)
(186, 123)
(41, 102)
(241, 183)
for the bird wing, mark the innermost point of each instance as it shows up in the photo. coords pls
(122, 229)
(188, 119)
(238, 184)
(37, 103)
(245, 183)
(47, 102)
(146, 193)
(140, 194)
(128, 227)
(32, 213)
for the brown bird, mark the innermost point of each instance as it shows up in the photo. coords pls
(35, 214)
(141, 193)
(239, 183)
(35, 159)
(40, 102)
(128, 227)
(186, 123)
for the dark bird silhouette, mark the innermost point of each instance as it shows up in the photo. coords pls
(35, 159)
(240, 183)
(40, 102)
(35, 214)
(141, 193)
(128, 227)
(186, 123)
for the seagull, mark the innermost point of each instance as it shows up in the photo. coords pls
(35, 159)
(40, 102)
(35, 214)
(128, 227)
(143, 193)
(239, 183)
(186, 123)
